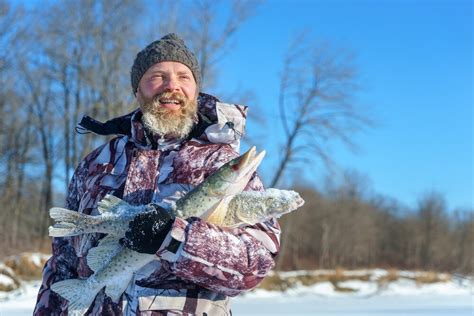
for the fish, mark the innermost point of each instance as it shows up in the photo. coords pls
(246, 208)
(252, 207)
(207, 200)
(219, 199)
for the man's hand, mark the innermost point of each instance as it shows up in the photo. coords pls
(147, 231)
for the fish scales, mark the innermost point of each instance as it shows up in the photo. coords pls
(230, 179)
(254, 207)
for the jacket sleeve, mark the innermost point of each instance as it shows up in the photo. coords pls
(225, 261)
(63, 262)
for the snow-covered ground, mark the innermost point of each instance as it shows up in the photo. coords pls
(406, 305)
(402, 297)
(21, 301)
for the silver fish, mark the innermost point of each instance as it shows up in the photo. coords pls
(219, 199)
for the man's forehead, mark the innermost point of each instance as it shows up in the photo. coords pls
(167, 66)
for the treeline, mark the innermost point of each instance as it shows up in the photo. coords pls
(343, 226)
(53, 71)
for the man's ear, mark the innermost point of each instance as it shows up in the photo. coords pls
(138, 96)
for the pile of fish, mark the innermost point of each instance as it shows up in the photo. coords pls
(219, 199)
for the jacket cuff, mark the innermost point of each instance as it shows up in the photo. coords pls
(171, 248)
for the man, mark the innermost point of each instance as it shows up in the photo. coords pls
(176, 138)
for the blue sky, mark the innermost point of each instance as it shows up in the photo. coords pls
(416, 66)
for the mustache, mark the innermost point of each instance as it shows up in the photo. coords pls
(170, 95)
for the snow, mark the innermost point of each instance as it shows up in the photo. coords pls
(38, 258)
(6, 269)
(408, 287)
(403, 297)
(5, 280)
(362, 288)
(376, 273)
(19, 302)
(349, 305)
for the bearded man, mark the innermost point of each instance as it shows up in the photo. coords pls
(172, 142)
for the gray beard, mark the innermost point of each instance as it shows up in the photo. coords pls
(175, 127)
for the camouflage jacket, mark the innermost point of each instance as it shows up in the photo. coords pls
(199, 265)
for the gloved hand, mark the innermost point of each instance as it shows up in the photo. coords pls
(147, 231)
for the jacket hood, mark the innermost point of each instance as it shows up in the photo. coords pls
(217, 123)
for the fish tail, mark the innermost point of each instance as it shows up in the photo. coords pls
(69, 223)
(110, 203)
(78, 293)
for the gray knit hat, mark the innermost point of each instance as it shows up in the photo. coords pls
(169, 48)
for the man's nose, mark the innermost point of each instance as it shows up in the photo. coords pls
(171, 84)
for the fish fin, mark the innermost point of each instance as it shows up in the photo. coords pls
(114, 292)
(110, 204)
(121, 280)
(62, 230)
(101, 255)
(217, 214)
(60, 214)
(77, 292)
(67, 222)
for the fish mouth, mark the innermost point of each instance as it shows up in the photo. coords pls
(244, 168)
(299, 201)
(241, 170)
(248, 163)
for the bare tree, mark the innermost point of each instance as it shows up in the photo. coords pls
(45, 122)
(16, 134)
(210, 38)
(11, 34)
(432, 225)
(87, 57)
(50, 75)
(463, 237)
(315, 102)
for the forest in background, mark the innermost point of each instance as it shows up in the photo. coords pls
(53, 73)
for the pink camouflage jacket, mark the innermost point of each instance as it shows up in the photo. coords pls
(199, 264)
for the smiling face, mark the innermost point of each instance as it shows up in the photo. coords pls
(167, 95)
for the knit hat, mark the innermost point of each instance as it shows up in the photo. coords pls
(169, 48)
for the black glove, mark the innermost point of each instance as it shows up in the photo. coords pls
(147, 231)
